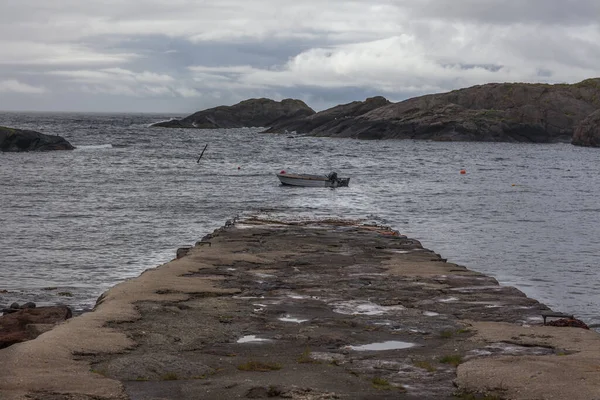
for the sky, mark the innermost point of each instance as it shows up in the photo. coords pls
(181, 56)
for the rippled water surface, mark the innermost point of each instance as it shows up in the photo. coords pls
(84, 220)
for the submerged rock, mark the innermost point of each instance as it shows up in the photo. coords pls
(248, 113)
(16, 140)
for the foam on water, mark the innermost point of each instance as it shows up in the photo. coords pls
(95, 147)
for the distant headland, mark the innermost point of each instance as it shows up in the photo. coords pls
(494, 112)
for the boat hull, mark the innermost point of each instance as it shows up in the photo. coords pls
(311, 181)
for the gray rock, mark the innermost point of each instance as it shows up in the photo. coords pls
(17, 140)
(323, 120)
(182, 251)
(15, 326)
(587, 132)
(496, 112)
(248, 113)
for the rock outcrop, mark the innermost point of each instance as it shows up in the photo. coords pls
(248, 113)
(324, 120)
(28, 323)
(16, 140)
(587, 132)
(496, 112)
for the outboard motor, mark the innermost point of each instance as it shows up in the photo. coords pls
(332, 176)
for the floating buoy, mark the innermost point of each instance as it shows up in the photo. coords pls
(282, 171)
(239, 167)
(463, 171)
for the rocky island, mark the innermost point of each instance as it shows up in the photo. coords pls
(307, 310)
(495, 112)
(17, 140)
(248, 113)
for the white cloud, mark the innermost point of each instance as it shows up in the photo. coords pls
(64, 21)
(187, 92)
(26, 52)
(70, 21)
(409, 64)
(123, 82)
(113, 75)
(14, 86)
(507, 12)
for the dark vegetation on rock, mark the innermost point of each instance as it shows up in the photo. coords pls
(16, 140)
(248, 113)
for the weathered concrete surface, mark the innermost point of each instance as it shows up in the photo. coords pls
(278, 310)
(572, 373)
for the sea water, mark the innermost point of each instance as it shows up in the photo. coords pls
(75, 223)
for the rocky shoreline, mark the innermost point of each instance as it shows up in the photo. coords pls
(494, 112)
(306, 310)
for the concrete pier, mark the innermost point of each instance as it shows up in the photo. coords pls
(307, 310)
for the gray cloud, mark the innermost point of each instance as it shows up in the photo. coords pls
(183, 55)
(510, 12)
(14, 86)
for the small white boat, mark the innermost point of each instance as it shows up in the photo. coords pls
(308, 180)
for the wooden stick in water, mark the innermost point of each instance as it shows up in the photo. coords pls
(201, 154)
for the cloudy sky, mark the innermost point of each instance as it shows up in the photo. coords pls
(185, 55)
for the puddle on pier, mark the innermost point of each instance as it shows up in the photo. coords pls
(251, 339)
(289, 318)
(509, 349)
(354, 307)
(389, 345)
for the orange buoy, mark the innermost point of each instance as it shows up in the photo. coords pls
(463, 171)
